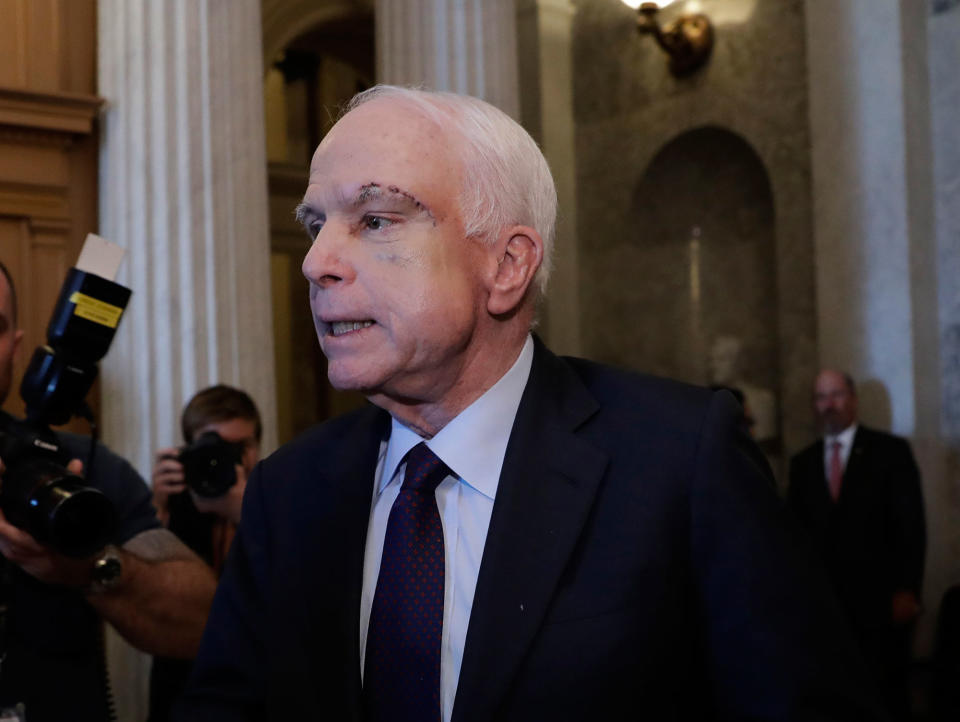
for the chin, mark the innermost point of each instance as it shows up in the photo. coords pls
(345, 379)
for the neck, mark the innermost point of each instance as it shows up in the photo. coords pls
(837, 432)
(478, 373)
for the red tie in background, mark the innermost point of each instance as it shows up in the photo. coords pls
(836, 470)
(401, 680)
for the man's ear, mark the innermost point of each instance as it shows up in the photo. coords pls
(519, 255)
(17, 338)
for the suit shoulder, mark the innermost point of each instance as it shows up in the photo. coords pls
(869, 434)
(884, 441)
(674, 404)
(333, 434)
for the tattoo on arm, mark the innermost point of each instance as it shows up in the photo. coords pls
(158, 545)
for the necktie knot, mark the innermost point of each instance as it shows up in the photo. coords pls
(424, 470)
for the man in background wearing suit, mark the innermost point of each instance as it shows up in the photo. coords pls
(503, 534)
(857, 493)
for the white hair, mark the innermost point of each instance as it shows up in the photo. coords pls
(506, 179)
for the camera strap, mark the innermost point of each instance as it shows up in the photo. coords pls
(85, 412)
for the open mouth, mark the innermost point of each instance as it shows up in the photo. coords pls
(340, 328)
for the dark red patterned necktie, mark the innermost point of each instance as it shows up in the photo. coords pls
(836, 470)
(402, 664)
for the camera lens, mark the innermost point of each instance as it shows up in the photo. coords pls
(56, 508)
(77, 520)
(208, 464)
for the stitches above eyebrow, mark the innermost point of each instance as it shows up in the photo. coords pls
(368, 192)
(372, 190)
(409, 196)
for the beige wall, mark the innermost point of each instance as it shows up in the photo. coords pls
(47, 153)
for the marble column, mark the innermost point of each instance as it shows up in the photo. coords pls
(883, 104)
(943, 52)
(860, 199)
(183, 189)
(466, 46)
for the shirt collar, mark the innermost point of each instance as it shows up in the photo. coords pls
(845, 437)
(474, 442)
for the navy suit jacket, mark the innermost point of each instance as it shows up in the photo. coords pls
(637, 566)
(872, 540)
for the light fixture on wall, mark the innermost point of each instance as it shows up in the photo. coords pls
(688, 40)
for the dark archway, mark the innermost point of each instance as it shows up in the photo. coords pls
(700, 262)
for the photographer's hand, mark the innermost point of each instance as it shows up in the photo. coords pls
(167, 480)
(226, 506)
(38, 560)
(164, 597)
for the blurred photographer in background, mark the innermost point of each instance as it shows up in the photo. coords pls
(198, 490)
(145, 582)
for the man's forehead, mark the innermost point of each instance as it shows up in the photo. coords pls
(393, 125)
(245, 426)
(829, 380)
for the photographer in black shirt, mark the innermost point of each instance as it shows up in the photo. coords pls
(157, 593)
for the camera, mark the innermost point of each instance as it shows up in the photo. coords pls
(209, 464)
(38, 494)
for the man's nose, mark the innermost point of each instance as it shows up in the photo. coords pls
(325, 264)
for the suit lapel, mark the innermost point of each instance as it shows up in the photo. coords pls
(333, 564)
(820, 487)
(853, 472)
(547, 486)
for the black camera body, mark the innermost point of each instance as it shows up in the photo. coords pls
(38, 494)
(209, 464)
(43, 498)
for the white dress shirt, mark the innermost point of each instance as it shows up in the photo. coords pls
(472, 446)
(845, 438)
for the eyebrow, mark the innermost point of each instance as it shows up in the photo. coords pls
(302, 213)
(374, 191)
(305, 213)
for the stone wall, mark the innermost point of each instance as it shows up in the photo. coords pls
(628, 109)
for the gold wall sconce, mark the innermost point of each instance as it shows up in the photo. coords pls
(688, 40)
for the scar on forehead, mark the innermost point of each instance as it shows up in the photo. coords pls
(369, 191)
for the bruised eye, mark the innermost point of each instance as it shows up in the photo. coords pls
(376, 223)
(313, 228)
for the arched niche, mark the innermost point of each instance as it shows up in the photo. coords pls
(699, 263)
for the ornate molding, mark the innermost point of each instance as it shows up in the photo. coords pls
(20, 135)
(47, 206)
(58, 112)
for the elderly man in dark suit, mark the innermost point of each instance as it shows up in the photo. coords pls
(504, 534)
(857, 493)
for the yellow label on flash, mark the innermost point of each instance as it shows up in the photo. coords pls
(106, 314)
